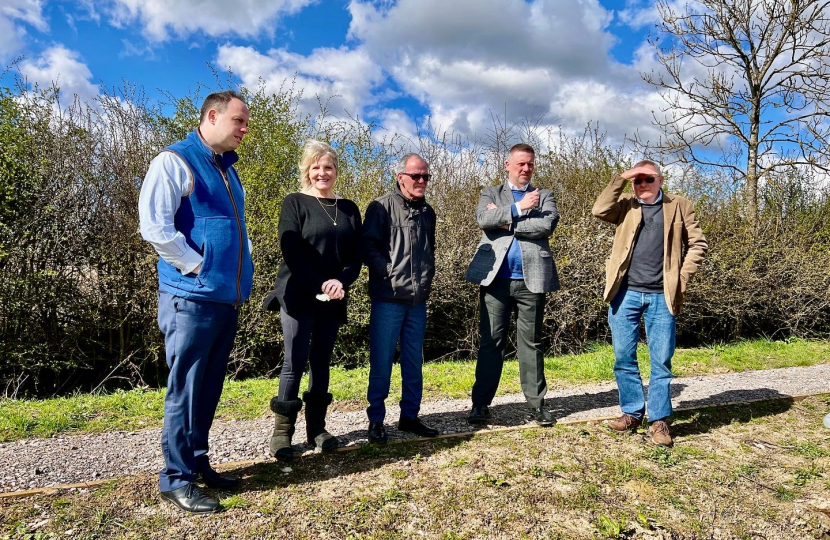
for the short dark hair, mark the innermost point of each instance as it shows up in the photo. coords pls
(521, 147)
(218, 101)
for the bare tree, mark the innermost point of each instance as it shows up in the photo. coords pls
(745, 84)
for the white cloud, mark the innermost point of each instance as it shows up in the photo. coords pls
(13, 15)
(619, 112)
(343, 79)
(64, 68)
(468, 60)
(161, 19)
(396, 123)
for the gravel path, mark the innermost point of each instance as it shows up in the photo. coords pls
(35, 463)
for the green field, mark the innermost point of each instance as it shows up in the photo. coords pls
(143, 408)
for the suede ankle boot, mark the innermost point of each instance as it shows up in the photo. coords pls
(285, 416)
(315, 422)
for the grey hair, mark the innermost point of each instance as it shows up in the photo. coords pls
(400, 165)
(312, 152)
(649, 162)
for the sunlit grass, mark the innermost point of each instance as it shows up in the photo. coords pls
(143, 408)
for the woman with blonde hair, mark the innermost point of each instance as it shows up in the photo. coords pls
(319, 239)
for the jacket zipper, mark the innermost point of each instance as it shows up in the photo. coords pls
(241, 239)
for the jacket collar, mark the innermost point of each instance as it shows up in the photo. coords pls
(659, 199)
(416, 203)
(225, 160)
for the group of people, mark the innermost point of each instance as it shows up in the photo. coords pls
(192, 211)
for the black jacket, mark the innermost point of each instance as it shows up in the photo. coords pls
(398, 244)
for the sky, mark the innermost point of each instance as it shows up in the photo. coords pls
(399, 63)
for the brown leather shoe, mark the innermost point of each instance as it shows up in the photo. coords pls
(626, 422)
(660, 434)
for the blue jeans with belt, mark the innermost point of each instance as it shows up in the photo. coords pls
(389, 323)
(198, 338)
(624, 314)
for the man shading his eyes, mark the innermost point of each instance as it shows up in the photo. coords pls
(647, 275)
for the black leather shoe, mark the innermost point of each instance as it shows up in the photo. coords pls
(377, 433)
(479, 414)
(192, 499)
(213, 479)
(414, 425)
(541, 416)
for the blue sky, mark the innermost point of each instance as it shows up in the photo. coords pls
(397, 62)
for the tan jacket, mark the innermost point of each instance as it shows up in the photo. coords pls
(680, 228)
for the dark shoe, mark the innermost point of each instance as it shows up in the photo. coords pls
(541, 416)
(626, 422)
(660, 434)
(315, 422)
(377, 433)
(213, 479)
(479, 414)
(414, 425)
(285, 416)
(192, 499)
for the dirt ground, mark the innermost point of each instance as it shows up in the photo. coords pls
(750, 471)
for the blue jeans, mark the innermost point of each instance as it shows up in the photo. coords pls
(624, 319)
(389, 322)
(198, 338)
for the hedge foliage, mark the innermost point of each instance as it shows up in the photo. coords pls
(78, 284)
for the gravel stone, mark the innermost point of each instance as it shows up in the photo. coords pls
(36, 463)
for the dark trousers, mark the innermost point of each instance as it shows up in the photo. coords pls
(198, 338)
(498, 302)
(309, 339)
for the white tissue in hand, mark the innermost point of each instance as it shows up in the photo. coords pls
(323, 297)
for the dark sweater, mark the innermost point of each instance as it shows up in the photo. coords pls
(645, 272)
(314, 250)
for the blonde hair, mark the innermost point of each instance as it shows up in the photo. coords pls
(312, 152)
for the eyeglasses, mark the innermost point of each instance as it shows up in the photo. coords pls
(418, 176)
(647, 180)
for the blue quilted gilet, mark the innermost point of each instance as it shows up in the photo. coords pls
(212, 219)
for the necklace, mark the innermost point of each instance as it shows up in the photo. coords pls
(323, 206)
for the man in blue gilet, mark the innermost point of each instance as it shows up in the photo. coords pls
(192, 210)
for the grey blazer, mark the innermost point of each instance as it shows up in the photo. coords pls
(532, 230)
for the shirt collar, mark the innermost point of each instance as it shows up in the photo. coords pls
(225, 160)
(516, 188)
(659, 199)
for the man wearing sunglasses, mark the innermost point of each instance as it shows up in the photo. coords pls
(514, 267)
(399, 250)
(658, 246)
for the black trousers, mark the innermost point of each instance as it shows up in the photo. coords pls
(309, 339)
(498, 302)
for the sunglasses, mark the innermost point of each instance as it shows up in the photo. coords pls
(418, 176)
(647, 180)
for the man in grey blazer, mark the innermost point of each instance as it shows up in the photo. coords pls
(514, 266)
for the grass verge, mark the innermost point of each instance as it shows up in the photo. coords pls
(735, 472)
(142, 408)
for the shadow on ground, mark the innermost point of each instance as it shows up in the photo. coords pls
(711, 413)
(315, 467)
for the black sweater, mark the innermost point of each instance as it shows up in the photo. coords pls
(314, 251)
